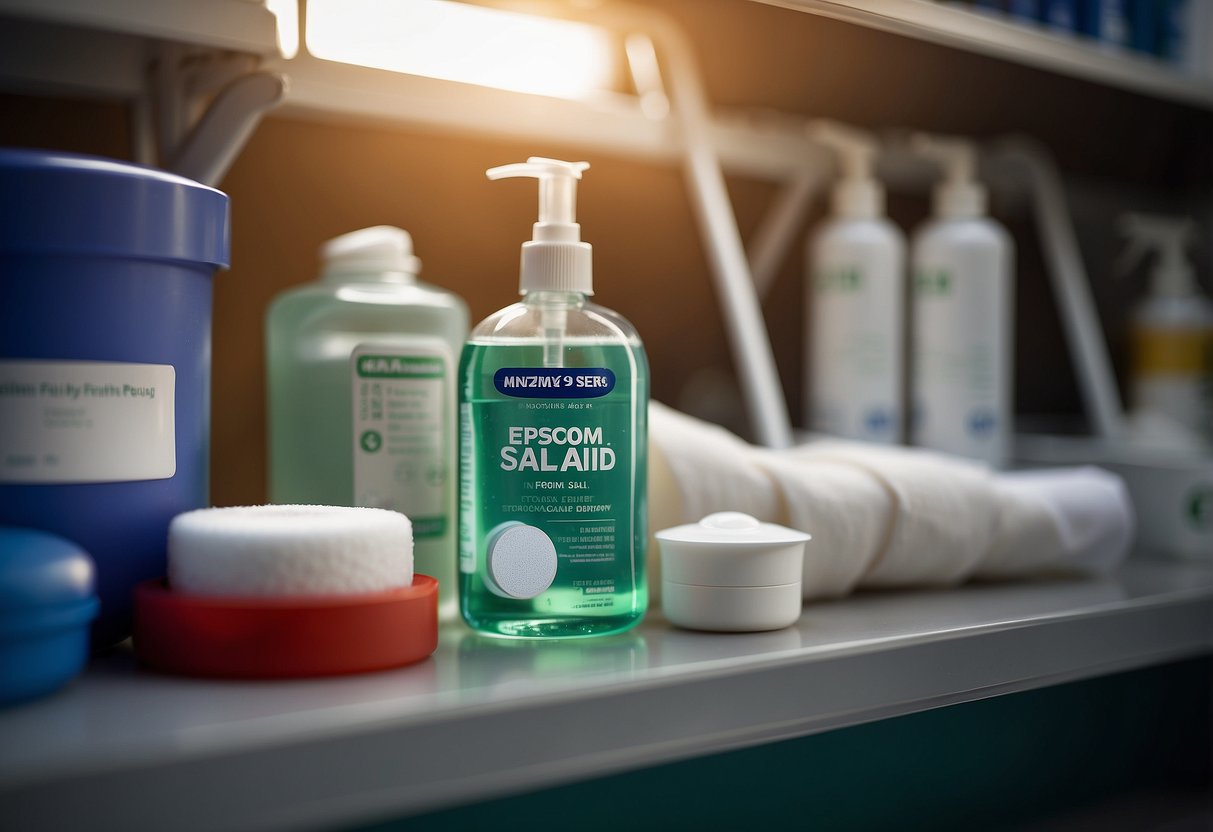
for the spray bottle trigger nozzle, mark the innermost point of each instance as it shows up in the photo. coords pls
(1169, 237)
(1146, 231)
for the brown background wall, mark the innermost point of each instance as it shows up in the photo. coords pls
(298, 183)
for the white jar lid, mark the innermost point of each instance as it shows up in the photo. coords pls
(732, 549)
(732, 528)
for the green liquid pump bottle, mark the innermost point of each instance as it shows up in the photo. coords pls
(361, 375)
(553, 397)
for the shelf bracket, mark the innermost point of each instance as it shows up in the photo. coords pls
(780, 228)
(737, 295)
(1071, 284)
(199, 108)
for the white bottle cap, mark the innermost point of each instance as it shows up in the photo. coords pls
(555, 259)
(381, 248)
(959, 194)
(858, 195)
(731, 573)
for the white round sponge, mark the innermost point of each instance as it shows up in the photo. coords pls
(272, 551)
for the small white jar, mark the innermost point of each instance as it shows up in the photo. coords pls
(731, 573)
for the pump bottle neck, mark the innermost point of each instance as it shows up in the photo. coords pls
(858, 199)
(554, 298)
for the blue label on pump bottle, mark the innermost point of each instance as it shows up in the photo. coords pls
(546, 383)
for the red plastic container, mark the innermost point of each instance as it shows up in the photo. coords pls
(278, 638)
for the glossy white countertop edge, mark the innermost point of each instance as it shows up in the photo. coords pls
(364, 746)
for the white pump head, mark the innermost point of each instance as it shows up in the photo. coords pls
(555, 259)
(1169, 237)
(858, 194)
(379, 250)
(959, 194)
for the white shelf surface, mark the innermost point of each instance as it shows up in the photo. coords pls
(125, 749)
(1018, 42)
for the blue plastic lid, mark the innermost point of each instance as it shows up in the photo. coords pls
(39, 570)
(65, 203)
(46, 604)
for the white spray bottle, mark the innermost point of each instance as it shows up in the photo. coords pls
(856, 300)
(961, 330)
(1172, 329)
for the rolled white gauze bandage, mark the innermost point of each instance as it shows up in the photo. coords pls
(848, 511)
(712, 469)
(280, 551)
(945, 512)
(1063, 520)
(696, 469)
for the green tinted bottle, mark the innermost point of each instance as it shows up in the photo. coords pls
(553, 396)
(361, 371)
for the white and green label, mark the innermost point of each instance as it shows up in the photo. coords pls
(401, 437)
(87, 421)
(854, 371)
(962, 351)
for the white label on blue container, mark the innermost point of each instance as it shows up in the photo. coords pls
(86, 421)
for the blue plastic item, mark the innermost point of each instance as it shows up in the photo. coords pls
(990, 5)
(1024, 9)
(1060, 15)
(46, 605)
(103, 261)
(1172, 31)
(1107, 21)
(1143, 25)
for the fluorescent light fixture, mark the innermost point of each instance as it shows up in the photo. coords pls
(462, 42)
(287, 13)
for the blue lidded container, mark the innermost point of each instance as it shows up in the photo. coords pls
(105, 357)
(46, 605)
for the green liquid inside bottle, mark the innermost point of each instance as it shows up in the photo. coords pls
(553, 437)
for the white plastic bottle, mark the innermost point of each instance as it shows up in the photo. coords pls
(961, 332)
(361, 375)
(1172, 329)
(856, 300)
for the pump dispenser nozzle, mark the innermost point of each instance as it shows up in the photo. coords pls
(1169, 237)
(858, 194)
(555, 259)
(959, 194)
